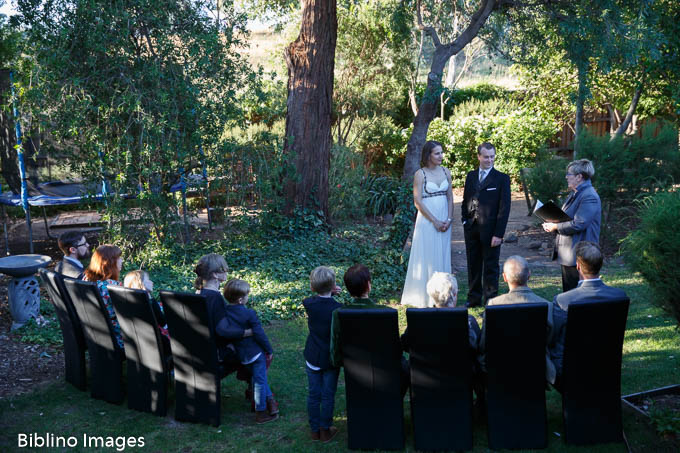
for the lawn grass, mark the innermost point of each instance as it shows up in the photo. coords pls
(651, 359)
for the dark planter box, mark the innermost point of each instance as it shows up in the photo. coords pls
(633, 400)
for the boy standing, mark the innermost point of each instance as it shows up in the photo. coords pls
(321, 375)
(255, 352)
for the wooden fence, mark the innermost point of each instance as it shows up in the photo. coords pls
(597, 123)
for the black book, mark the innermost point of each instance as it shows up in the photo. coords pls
(550, 212)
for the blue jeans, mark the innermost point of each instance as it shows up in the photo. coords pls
(321, 398)
(261, 390)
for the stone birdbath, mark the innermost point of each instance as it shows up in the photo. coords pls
(24, 289)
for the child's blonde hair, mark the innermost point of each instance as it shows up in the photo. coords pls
(135, 279)
(322, 279)
(206, 266)
(235, 289)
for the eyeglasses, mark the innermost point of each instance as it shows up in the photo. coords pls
(573, 174)
(81, 245)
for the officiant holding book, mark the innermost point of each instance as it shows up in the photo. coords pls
(585, 209)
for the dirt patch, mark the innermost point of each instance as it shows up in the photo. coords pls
(523, 236)
(23, 367)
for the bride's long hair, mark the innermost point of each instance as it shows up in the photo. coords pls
(428, 147)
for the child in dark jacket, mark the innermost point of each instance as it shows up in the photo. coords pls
(255, 352)
(321, 375)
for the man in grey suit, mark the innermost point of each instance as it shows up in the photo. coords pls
(584, 207)
(75, 248)
(516, 274)
(590, 287)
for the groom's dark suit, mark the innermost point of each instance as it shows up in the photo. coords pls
(485, 212)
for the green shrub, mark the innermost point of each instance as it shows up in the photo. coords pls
(346, 197)
(404, 217)
(519, 137)
(653, 249)
(378, 140)
(546, 180)
(383, 194)
(626, 168)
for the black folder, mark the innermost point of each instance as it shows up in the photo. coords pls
(551, 213)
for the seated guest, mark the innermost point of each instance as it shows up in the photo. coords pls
(255, 352)
(211, 272)
(75, 248)
(516, 274)
(442, 288)
(590, 288)
(139, 279)
(104, 270)
(358, 283)
(322, 377)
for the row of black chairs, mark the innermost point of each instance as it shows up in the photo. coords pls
(85, 325)
(441, 367)
(441, 376)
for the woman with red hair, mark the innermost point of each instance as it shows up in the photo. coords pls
(104, 270)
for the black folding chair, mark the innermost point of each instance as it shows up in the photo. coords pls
(71, 329)
(515, 363)
(106, 357)
(147, 370)
(371, 355)
(591, 377)
(197, 373)
(441, 378)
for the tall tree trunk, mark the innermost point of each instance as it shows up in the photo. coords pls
(310, 60)
(8, 155)
(428, 105)
(580, 102)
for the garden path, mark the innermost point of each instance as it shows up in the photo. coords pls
(532, 242)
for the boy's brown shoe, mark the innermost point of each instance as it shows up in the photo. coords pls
(272, 406)
(326, 435)
(314, 435)
(263, 417)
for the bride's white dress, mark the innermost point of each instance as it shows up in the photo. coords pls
(430, 249)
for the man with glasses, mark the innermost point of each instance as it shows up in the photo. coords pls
(585, 209)
(75, 248)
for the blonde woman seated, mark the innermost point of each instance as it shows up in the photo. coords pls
(139, 279)
(442, 289)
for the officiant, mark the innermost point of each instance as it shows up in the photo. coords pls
(585, 209)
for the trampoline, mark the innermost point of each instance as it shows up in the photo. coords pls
(59, 193)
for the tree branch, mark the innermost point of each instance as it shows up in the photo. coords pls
(427, 29)
(631, 110)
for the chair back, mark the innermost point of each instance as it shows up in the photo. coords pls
(106, 358)
(591, 378)
(441, 378)
(515, 362)
(147, 371)
(371, 355)
(197, 376)
(71, 329)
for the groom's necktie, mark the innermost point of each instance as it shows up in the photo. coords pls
(482, 174)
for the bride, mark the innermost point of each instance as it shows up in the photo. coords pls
(431, 246)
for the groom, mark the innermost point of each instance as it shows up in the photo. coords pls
(485, 212)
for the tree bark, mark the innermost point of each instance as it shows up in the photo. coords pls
(8, 155)
(580, 102)
(310, 60)
(623, 127)
(428, 105)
